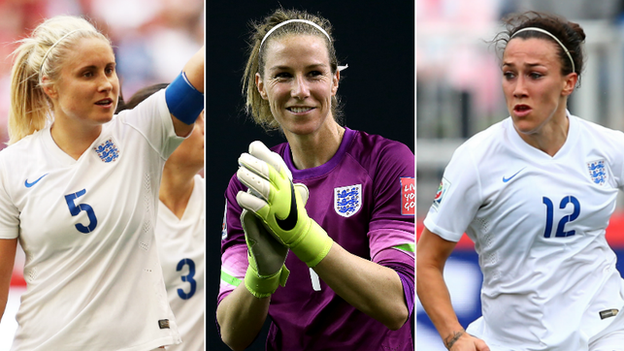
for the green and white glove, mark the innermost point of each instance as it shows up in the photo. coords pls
(280, 204)
(266, 270)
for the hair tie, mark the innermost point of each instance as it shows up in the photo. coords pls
(45, 57)
(552, 36)
(290, 21)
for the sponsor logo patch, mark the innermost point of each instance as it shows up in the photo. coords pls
(597, 171)
(408, 196)
(348, 200)
(442, 189)
(107, 151)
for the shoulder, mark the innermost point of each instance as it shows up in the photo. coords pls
(23, 148)
(597, 130)
(376, 150)
(485, 143)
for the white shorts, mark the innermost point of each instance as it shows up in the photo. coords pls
(610, 339)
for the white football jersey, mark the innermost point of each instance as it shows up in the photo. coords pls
(181, 244)
(93, 277)
(538, 223)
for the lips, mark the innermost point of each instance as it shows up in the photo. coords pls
(522, 110)
(104, 102)
(299, 109)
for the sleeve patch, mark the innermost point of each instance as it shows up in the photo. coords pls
(408, 196)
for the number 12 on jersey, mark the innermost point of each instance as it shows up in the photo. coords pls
(576, 210)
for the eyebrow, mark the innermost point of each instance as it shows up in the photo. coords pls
(277, 68)
(112, 63)
(526, 64)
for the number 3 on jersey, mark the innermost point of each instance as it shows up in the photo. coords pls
(576, 210)
(76, 209)
(189, 278)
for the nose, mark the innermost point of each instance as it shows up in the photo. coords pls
(520, 87)
(300, 89)
(106, 83)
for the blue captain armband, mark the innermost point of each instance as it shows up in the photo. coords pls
(183, 100)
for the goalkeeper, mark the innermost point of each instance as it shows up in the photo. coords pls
(319, 232)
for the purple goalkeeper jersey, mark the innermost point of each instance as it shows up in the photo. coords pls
(364, 198)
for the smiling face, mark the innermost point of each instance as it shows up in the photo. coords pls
(87, 89)
(298, 83)
(535, 90)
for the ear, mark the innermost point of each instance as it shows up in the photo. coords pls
(335, 81)
(569, 84)
(49, 89)
(260, 86)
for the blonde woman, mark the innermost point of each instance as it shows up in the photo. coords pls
(79, 191)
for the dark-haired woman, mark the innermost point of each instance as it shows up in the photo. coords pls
(535, 193)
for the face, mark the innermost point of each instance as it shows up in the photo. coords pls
(88, 87)
(191, 152)
(535, 90)
(298, 83)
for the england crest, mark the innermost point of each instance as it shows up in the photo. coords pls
(597, 172)
(348, 200)
(107, 151)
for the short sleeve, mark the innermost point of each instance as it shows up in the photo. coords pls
(458, 198)
(9, 213)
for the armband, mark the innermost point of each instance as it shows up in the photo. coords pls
(183, 100)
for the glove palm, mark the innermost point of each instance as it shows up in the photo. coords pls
(280, 204)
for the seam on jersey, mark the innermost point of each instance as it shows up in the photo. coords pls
(149, 142)
(158, 108)
(474, 164)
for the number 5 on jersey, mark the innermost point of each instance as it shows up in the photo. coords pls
(76, 209)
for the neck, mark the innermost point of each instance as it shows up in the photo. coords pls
(73, 139)
(550, 137)
(176, 188)
(313, 150)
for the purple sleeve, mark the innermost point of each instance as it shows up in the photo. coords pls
(233, 247)
(405, 269)
(392, 229)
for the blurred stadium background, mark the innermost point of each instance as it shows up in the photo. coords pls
(152, 40)
(459, 94)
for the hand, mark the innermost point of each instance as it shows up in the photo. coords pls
(462, 341)
(280, 204)
(266, 270)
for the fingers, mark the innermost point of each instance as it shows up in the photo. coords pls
(250, 202)
(481, 346)
(303, 191)
(256, 182)
(259, 150)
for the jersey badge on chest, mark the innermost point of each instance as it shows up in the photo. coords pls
(597, 171)
(348, 200)
(107, 151)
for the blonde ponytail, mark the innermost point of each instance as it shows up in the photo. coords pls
(37, 56)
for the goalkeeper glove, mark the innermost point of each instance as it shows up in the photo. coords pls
(266, 270)
(280, 204)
